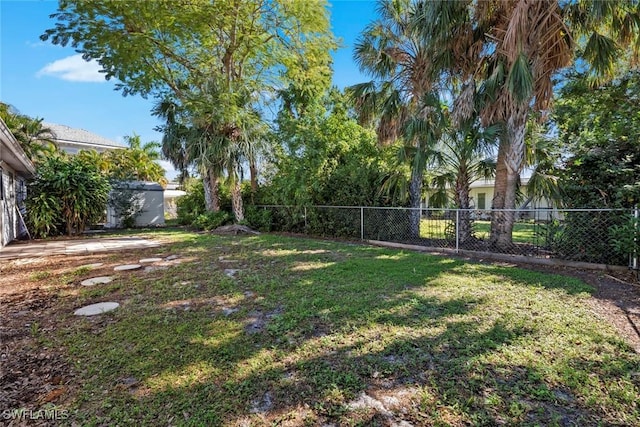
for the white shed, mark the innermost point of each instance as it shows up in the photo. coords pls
(147, 199)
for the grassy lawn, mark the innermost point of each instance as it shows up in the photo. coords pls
(310, 332)
(523, 232)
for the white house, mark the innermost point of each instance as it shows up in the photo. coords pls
(481, 194)
(15, 169)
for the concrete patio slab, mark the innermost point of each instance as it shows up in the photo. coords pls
(35, 249)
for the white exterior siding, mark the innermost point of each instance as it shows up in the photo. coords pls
(150, 198)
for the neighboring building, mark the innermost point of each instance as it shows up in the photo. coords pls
(149, 200)
(15, 168)
(481, 195)
(73, 140)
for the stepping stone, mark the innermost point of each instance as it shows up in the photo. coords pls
(228, 311)
(96, 281)
(127, 267)
(230, 272)
(92, 266)
(152, 268)
(149, 260)
(99, 308)
(172, 257)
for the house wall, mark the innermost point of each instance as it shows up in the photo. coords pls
(8, 220)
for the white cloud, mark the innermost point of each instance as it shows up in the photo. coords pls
(74, 69)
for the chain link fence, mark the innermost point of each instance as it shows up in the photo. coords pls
(603, 236)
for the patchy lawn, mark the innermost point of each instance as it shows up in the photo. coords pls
(269, 330)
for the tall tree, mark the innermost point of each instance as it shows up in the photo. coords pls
(513, 48)
(400, 99)
(215, 59)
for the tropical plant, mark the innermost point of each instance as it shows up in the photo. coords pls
(66, 195)
(463, 156)
(137, 162)
(401, 99)
(512, 49)
(37, 140)
(214, 59)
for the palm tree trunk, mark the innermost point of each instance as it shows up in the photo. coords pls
(509, 165)
(236, 201)
(253, 171)
(211, 185)
(465, 228)
(415, 197)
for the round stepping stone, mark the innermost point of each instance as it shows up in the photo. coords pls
(127, 267)
(149, 260)
(92, 266)
(171, 257)
(230, 272)
(99, 308)
(96, 281)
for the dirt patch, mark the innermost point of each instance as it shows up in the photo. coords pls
(36, 297)
(616, 298)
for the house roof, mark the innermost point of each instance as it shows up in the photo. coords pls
(12, 153)
(65, 134)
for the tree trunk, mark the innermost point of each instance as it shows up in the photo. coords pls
(253, 172)
(415, 197)
(465, 228)
(211, 184)
(509, 165)
(236, 201)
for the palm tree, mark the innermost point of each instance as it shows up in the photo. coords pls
(400, 98)
(37, 141)
(183, 146)
(464, 156)
(513, 48)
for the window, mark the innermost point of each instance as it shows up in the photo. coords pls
(482, 201)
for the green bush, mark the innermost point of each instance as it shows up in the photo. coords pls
(67, 194)
(211, 220)
(191, 205)
(258, 218)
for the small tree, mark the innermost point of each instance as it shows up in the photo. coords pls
(67, 194)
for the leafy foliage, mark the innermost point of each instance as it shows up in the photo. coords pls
(214, 60)
(36, 140)
(66, 195)
(600, 128)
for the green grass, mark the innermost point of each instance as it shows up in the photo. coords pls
(523, 232)
(308, 326)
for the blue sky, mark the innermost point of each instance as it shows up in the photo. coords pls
(53, 83)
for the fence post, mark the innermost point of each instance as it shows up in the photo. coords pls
(457, 230)
(305, 218)
(361, 223)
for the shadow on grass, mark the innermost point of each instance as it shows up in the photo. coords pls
(366, 321)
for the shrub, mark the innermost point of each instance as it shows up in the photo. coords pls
(211, 220)
(258, 219)
(66, 195)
